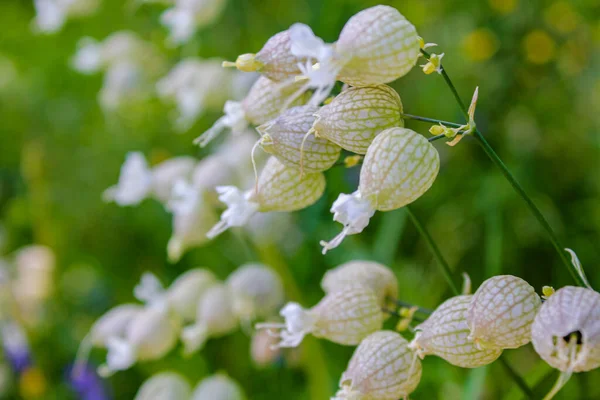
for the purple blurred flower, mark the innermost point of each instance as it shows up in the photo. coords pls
(16, 346)
(84, 380)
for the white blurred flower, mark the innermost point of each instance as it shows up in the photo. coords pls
(51, 15)
(134, 184)
(164, 386)
(187, 16)
(195, 85)
(34, 281)
(218, 387)
(165, 174)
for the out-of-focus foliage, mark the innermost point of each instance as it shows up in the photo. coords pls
(537, 65)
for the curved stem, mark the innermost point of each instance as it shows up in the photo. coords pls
(517, 378)
(445, 268)
(432, 120)
(511, 179)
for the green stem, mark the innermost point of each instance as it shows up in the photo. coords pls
(517, 378)
(432, 120)
(445, 268)
(511, 179)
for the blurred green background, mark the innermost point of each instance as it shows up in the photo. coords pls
(537, 64)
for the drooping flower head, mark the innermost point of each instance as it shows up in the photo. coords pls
(382, 367)
(501, 313)
(279, 188)
(357, 115)
(344, 317)
(285, 138)
(399, 167)
(446, 334)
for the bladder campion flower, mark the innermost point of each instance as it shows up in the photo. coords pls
(345, 317)
(399, 167)
(167, 173)
(185, 292)
(218, 387)
(164, 386)
(256, 291)
(113, 323)
(135, 182)
(283, 138)
(214, 318)
(501, 313)
(377, 277)
(187, 16)
(446, 334)
(380, 46)
(263, 103)
(279, 188)
(566, 330)
(382, 367)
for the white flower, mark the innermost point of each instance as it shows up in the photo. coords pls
(218, 387)
(51, 15)
(299, 322)
(239, 209)
(150, 290)
(164, 386)
(88, 58)
(134, 184)
(188, 16)
(234, 119)
(166, 174)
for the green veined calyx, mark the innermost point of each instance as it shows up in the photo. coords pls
(345, 317)
(446, 334)
(357, 115)
(382, 367)
(501, 313)
(284, 137)
(399, 167)
(262, 103)
(377, 277)
(279, 188)
(380, 46)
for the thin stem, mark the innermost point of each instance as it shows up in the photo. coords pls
(518, 188)
(432, 120)
(445, 268)
(517, 378)
(422, 310)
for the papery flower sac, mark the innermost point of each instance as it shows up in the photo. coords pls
(214, 318)
(357, 115)
(344, 317)
(446, 334)
(256, 291)
(135, 182)
(187, 16)
(218, 387)
(279, 188)
(399, 167)
(113, 323)
(164, 386)
(195, 85)
(382, 367)
(185, 292)
(286, 138)
(380, 46)
(373, 275)
(167, 173)
(566, 330)
(149, 336)
(501, 313)
(275, 60)
(263, 103)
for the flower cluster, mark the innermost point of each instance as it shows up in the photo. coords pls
(195, 307)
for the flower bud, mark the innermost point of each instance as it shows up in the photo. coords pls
(566, 330)
(164, 386)
(279, 188)
(218, 387)
(135, 182)
(165, 174)
(377, 277)
(380, 45)
(149, 336)
(275, 60)
(399, 167)
(382, 367)
(214, 318)
(286, 138)
(501, 313)
(113, 323)
(263, 103)
(446, 334)
(357, 115)
(344, 317)
(185, 292)
(256, 291)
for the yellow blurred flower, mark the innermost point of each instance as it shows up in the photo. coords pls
(480, 45)
(503, 6)
(561, 17)
(32, 383)
(539, 47)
